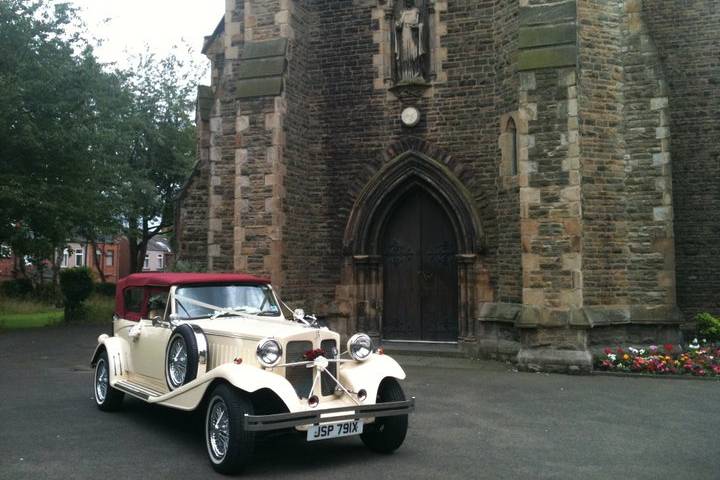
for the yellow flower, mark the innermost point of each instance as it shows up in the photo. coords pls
(626, 357)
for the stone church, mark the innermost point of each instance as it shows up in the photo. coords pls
(529, 179)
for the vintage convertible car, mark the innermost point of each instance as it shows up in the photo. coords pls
(220, 342)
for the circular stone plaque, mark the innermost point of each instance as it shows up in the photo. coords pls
(410, 116)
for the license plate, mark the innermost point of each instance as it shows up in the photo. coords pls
(334, 430)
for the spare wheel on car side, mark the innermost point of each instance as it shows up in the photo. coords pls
(185, 356)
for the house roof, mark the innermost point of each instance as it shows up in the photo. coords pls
(159, 244)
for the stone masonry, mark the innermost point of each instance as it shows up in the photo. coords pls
(572, 144)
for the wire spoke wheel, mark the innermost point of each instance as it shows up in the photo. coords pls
(218, 426)
(177, 361)
(229, 444)
(101, 381)
(106, 397)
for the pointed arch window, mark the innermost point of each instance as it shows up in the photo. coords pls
(511, 130)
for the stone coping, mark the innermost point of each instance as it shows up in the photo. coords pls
(531, 316)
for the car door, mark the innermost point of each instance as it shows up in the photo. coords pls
(149, 348)
(147, 339)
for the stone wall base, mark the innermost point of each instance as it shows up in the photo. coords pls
(554, 360)
(562, 349)
(495, 341)
(640, 336)
(553, 341)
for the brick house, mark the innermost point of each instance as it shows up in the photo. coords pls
(110, 254)
(7, 269)
(157, 255)
(113, 254)
(531, 179)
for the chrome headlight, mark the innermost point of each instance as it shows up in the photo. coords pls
(360, 346)
(269, 352)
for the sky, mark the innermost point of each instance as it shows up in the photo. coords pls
(142, 26)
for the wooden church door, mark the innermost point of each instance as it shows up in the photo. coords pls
(420, 272)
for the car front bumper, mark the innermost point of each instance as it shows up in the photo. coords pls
(315, 417)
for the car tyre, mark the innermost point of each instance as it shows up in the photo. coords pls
(179, 371)
(229, 445)
(107, 398)
(387, 433)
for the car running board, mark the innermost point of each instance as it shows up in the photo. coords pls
(140, 391)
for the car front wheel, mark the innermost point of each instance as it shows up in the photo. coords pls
(106, 397)
(387, 433)
(229, 445)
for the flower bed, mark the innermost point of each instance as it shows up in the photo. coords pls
(698, 360)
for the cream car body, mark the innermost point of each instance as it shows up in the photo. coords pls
(312, 383)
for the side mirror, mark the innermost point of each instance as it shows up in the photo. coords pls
(174, 319)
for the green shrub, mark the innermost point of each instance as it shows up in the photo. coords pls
(708, 327)
(47, 293)
(76, 285)
(106, 289)
(186, 266)
(98, 309)
(18, 288)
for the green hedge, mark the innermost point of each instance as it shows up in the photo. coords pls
(106, 289)
(18, 288)
(76, 285)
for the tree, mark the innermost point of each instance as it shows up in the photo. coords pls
(59, 111)
(162, 150)
(85, 151)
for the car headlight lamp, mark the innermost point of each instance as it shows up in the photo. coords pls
(360, 346)
(269, 352)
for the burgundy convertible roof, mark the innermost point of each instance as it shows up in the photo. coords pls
(169, 279)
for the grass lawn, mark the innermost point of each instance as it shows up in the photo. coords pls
(33, 314)
(27, 314)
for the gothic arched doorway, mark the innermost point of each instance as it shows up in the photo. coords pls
(419, 248)
(420, 203)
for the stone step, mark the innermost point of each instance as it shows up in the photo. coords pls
(423, 349)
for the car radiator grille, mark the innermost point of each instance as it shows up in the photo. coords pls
(328, 384)
(301, 378)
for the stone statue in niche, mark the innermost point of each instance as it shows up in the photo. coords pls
(410, 45)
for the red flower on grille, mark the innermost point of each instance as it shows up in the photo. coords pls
(311, 355)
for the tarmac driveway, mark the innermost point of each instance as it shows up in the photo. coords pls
(474, 420)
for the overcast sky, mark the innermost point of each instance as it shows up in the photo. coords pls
(159, 24)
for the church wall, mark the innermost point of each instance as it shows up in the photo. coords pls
(687, 35)
(509, 265)
(192, 222)
(307, 279)
(628, 256)
(649, 210)
(615, 108)
(360, 118)
(605, 229)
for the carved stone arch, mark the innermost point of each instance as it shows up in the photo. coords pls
(411, 169)
(408, 170)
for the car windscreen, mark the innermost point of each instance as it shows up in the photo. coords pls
(218, 300)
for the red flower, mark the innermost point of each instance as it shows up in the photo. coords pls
(608, 351)
(668, 347)
(311, 355)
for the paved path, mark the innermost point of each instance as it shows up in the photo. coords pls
(475, 420)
